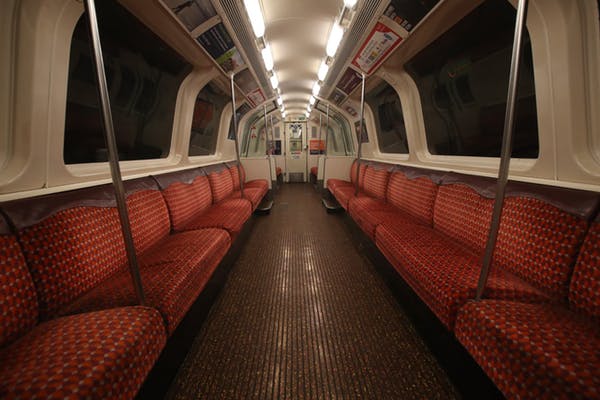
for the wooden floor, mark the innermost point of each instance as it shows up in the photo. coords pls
(304, 316)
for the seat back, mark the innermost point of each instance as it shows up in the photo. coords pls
(361, 177)
(18, 305)
(463, 209)
(236, 169)
(541, 231)
(187, 194)
(221, 182)
(375, 180)
(413, 191)
(584, 290)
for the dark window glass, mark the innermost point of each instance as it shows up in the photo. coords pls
(462, 78)
(205, 124)
(389, 120)
(143, 76)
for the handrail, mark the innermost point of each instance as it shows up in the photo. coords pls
(507, 136)
(113, 155)
(235, 135)
(267, 143)
(360, 133)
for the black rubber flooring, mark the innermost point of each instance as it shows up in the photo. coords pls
(304, 316)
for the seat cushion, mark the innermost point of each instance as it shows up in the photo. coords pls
(443, 273)
(187, 200)
(261, 184)
(368, 212)
(254, 194)
(343, 194)
(173, 274)
(314, 170)
(584, 291)
(333, 184)
(230, 214)
(278, 171)
(533, 351)
(105, 354)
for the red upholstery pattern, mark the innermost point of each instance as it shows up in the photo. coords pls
(375, 182)
(413, 196)
(221, 185)
(443, 273)
(343, 194)
(149, 218)
(539, 243)
(254, 194)
(230, 215)
(333, 184)
(314, 170)
(533, 351)
(369, 212)
(278, 171)
(361, 176)
(234, 170)
(173, 274)
(584, 292)
(464, 215)
(101, 355)
(261, 184)
(185, 201)
(18, 300)
(71, 252)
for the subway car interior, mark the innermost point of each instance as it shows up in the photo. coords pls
(283, 199)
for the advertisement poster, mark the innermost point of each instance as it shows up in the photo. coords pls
(408, 13)
(349, 81)
(379, 44)
(192, 13)
(220, 46)
(245, 81)
(256, 96)
(337, 97)
(316, 146)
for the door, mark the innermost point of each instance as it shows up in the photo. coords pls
(295, 134)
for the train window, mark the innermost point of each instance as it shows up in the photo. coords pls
(255, 136)
(210, 103)
(143, 76)
(462, 79)
(339, 139)
(389, 120)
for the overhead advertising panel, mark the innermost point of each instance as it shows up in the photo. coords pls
(349, 81)
(256, 96)
(192, 13)
(408, 13)
(337, 97)
(220, 46)
(245, 81)
(381, 41)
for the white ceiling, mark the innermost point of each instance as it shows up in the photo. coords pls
(297, 32)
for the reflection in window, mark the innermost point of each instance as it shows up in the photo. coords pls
(205, 123)
(389, 120)
(143, 76)
(462, 78)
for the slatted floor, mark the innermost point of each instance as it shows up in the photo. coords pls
(304, 316)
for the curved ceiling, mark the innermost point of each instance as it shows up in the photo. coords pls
(297, 32)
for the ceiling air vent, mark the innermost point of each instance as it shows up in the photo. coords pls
(235, 16)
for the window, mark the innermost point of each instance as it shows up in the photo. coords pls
(462, 79)
(255, 137)
(338, 139)
(143, 76)
(210, 103)
(389, 121)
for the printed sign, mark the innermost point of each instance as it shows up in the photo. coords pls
(381, 41)
(316, 146)
(220, 46)
(408, 13)
(256, 96)
(337, 97)
(349, 81)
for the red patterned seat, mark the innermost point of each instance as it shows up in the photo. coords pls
(541, 350)
(105, 354)
(278, 171)
(313, 171)
(235, 169)
(230, 214)
(343, 190)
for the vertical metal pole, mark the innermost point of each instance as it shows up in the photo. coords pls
(326, 146)
(360, 135)
(113, 156)
(267, 144)
(509, 128)
(273, 144)
(235, 136)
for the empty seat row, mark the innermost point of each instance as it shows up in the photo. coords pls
(70, 326)
(433, 227)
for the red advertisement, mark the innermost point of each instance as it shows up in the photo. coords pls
(381, 41)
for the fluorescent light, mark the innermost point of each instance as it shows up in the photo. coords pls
(335, 37)
(323, 69)
(312, 100)
(279, 101)
(256, 18)
(349, 3)
(283, 114)
(274, 81)
(267, 57)
(316, 89)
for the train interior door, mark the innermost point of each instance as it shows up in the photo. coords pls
(295, 135)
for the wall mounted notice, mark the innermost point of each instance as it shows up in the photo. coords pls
(337, 97)
(220, 46)
(349, 81)
(256, 96)
(381, 41)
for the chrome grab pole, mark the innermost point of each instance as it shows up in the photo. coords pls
(235, 135)
(272, 150)
(509, 128)
(266, 144)
(326, 145)
(360, 134)
(113, 156)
